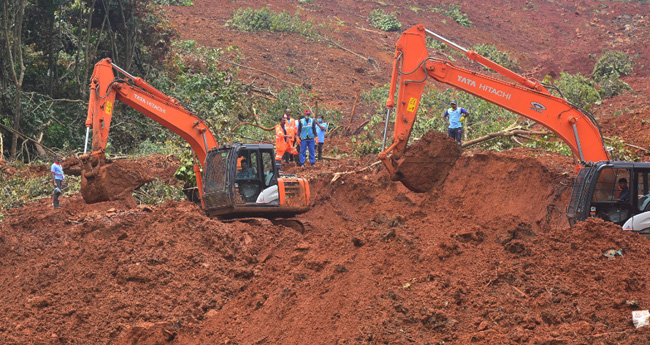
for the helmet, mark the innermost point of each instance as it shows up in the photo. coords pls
(307, 112)
(453, 102)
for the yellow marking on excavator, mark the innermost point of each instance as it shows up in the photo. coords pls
(108, 108)
(412, 103)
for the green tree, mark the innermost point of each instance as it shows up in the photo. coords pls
(13, 13)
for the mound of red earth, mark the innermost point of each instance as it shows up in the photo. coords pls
(487, 257)
(426, 164)
(119, 178)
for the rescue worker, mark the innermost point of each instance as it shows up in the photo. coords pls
(282, 142)
(321, 128)
(307, 131)
(57, 180)
(291, 126)
(456, 118)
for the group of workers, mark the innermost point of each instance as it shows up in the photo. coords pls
(293, 138)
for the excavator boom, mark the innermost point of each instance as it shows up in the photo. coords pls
(526, 97)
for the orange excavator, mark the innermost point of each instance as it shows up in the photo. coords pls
(232, 180)
(600, 187)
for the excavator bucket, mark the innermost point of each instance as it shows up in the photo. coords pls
(426, 164)
(104, 181)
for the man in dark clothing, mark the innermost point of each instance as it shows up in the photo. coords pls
(625, 190)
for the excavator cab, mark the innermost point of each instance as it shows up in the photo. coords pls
(600, 191)
(242, 180)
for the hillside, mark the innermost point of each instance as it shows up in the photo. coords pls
(487, 257)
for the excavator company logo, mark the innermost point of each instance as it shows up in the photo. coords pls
(485, 88)
(150, 104)
(467, 81)
(537, 107)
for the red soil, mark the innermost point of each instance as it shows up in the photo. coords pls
(485, 257)
(119, 178)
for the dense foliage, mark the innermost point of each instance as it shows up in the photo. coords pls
(44, 75)
(384, 21)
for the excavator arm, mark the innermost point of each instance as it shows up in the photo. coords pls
(526, 97)
(105, 88)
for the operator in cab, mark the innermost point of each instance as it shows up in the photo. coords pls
(624, 196)
(245, 173)
(456, 118)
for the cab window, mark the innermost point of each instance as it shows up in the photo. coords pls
(267, 162)
(643, 190)
(608, 188)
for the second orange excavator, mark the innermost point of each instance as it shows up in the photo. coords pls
(224, 189)
(612, 190)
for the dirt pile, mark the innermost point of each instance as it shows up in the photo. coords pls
(381, 264)
(119, 178)
(426, 164)
(85, 275)
(486, 257)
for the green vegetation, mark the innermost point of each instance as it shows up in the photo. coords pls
(50, 98)
(578, 89)
(612, 64)
(491, 52)
(157, 192)
(608, 69)
(454, 12)
(19, 191)
(605, 80)
(247, 19)
(384, 21)
(174, 2)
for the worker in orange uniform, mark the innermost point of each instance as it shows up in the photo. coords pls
(292, 127)
(283, 142)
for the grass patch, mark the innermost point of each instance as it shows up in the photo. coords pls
(454, 12)
(384, 21)
(247, 19)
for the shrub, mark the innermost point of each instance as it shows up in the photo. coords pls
(454, 12)
(247, 19)
(157, 192)
(612, 64)
(384, 21)
(578, 89)
(612, 87)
